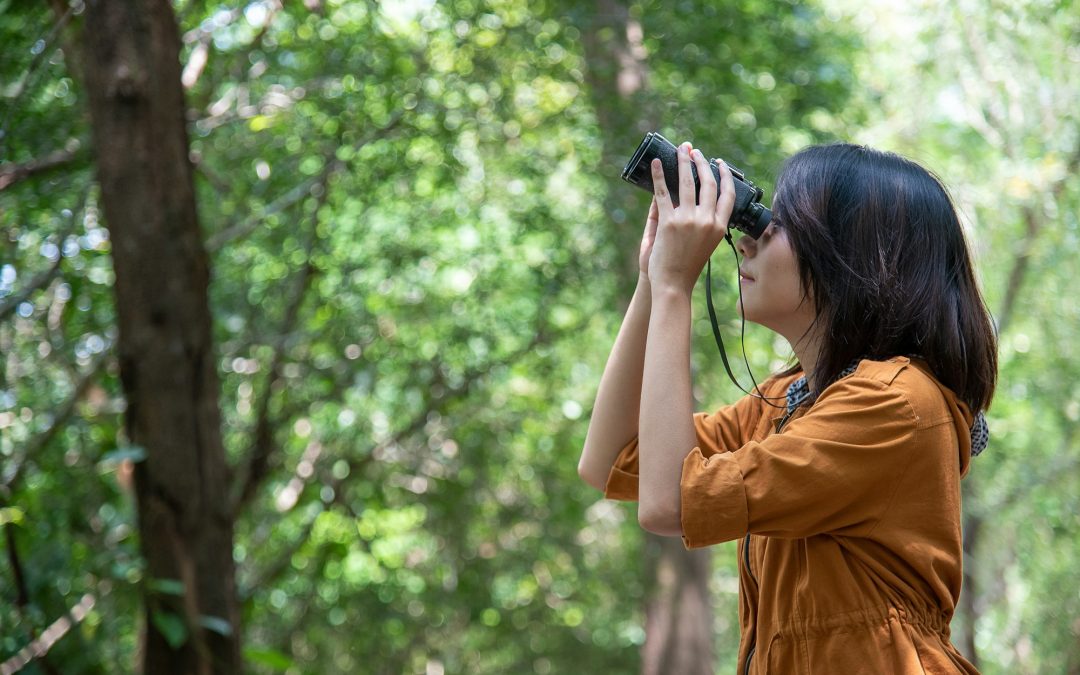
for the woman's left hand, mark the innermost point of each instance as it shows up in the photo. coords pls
(688, 234)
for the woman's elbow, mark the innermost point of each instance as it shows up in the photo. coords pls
(663, 522)
(593, 478)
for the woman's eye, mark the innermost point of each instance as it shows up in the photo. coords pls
(771, 229)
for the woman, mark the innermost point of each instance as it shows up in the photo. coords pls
(842, 477)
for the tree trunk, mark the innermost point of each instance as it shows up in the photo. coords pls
(679, 617)
(967, 608)
(679, 620)
(618, 80)
(167, 365)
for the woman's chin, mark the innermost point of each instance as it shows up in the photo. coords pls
(747, 315)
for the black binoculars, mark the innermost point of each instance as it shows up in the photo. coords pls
(747, 216)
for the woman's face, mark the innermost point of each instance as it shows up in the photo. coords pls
(772, 292)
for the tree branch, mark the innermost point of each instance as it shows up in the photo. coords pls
(258, 464)
(357, 463)
(36, 444)
(38, 648)
(1032, 227)
(248, 225)
(11, 173)
(37, 283)
(200, 53)
(296, 194)
(22, 593)
(274, 570)
(61, 21)
(1063, 467)
(22, 598)
(988, 74)
(1021, 261)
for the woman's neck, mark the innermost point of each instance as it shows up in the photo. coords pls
(807, 349)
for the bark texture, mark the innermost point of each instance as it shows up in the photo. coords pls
(132, 71)
(679, 616)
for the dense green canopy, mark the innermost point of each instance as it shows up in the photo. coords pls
(420, 253)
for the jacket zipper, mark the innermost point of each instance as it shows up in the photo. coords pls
(750, 571)
(784, 419)
(746, 554)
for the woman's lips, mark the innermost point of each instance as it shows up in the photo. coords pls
(744, 275)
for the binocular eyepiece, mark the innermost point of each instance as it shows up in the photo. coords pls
(747, 216)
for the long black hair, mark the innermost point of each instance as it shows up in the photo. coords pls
(881, 249)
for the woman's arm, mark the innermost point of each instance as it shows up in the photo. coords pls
(614, 421)
(685, 238)
(667, 413)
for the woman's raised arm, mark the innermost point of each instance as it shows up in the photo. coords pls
(614, 421)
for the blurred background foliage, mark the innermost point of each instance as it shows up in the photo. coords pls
(421, 252)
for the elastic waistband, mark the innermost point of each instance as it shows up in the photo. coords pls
(808, 626)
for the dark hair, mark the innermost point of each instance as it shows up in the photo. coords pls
(882, 251)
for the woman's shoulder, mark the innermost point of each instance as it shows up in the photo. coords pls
(904, 378)
(882, 371)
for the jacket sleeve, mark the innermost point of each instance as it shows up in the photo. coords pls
(722, 431)
(833, 470)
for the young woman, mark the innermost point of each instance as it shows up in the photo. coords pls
(842, 476)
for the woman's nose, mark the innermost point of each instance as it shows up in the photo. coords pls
(746, 245)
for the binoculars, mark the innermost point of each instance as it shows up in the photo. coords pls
(747, 216)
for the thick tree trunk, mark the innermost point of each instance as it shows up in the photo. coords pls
(679, 618)
(618, 78)
(132, 71)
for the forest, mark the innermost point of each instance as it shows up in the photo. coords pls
(304, 305)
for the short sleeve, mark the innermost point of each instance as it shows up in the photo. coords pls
(728, 428)
(834, 469)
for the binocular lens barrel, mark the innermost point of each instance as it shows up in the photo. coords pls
(748, 215)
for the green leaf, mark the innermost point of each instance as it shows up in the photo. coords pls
(216, 624)
(166, 586)
(134, 453)
(271, 658)
(171, 627)
(10, 514)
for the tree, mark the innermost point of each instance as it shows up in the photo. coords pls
(167, 365)
(417, 256)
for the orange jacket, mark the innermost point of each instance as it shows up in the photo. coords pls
(850, 517)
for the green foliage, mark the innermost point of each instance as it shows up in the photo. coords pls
(171, 626)
(418, 239)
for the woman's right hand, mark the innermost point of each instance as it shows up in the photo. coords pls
(647, 239)
(686, 235)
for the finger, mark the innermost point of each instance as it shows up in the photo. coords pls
(705, 176)
(652, 222)
(727, 192)
(686, 179)
(660, 192)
